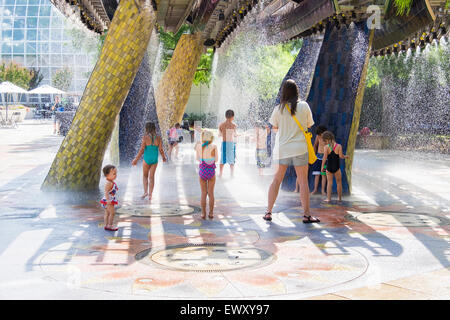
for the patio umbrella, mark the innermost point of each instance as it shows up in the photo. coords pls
(46, 89)
(6, 88)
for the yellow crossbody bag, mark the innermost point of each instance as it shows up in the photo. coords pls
(308, 136)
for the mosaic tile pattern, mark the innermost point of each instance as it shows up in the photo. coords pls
(174, 88)
(139, 107)
(338, 87)
(78, 163)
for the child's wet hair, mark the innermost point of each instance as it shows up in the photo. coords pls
(207, 136)
(321, 129)
(150, 128)
(328, 136)
(229, 114)
(177, 125)
(107, 169)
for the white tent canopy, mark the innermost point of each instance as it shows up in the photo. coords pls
(46, 89)
(8, 87)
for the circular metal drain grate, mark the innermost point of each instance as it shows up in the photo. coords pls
(160, 210)
(206, 257)
(400, 219)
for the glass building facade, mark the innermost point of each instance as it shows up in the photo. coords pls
(33, 33)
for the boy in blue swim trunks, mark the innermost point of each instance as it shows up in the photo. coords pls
(227, 130)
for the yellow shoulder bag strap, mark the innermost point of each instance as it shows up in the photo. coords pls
(308, 136)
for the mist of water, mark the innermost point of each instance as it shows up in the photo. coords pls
(416, 96)
(240, 73)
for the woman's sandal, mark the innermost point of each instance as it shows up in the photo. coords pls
(309, 219)
(268, 216)
(211, 216)
(112, 229)
(203, 216)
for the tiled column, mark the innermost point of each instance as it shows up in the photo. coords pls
(138, 108)
(337, 90)
(77, 165)
(174, 88)
(357, 114)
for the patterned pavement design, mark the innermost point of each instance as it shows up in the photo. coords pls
(390, 239)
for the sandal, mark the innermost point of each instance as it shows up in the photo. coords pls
(268, 216)
(112, 229)
(211, 216)
(309, 219)
(203, 216)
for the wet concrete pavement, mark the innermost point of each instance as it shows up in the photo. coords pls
(389, 240)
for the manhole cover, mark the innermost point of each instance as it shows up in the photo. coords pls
(161, 210)
(206, 257)
(399, 219)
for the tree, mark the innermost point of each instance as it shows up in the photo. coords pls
(169, 41)
(16, 74)
(403, 6)
(62, 79)
(36, 78)
(203, 73)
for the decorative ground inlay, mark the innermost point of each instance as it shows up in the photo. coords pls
(399, 219)
(159, 210)
(206, 257)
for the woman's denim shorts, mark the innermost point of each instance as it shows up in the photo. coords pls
(297, 161)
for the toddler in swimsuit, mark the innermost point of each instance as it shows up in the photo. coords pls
(109, 201)
(319, 146)
(151, 147)
(331, 157)
(207, 155)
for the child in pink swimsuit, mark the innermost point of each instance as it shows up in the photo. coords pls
(207, 155)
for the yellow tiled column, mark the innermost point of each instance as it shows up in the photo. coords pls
(356, 115)
(175, 86)
(77, 165)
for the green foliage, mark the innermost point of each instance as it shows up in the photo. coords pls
(403, 6)
(169, 41)
(62, 79)
(372, 78)
(203, 73)
(209, 120)
(16, 74)
(269, 64)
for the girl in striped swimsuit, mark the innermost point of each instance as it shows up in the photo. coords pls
(207, 155)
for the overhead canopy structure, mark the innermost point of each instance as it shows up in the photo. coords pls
(46, 89)
(217, 19)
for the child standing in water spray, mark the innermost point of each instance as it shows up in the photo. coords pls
(319, 146)
(261, 132)
(151, 147)
(332, 154)
(227, 130)
(110, 200)
(206, 153)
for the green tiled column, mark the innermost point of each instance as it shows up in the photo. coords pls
(77, 165)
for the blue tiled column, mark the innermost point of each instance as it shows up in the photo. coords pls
(338, 85)
(139, 107)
